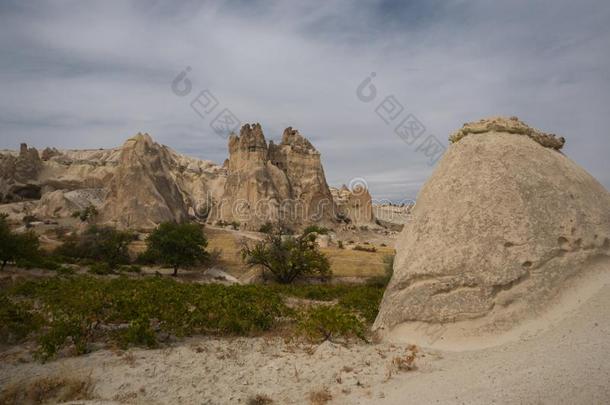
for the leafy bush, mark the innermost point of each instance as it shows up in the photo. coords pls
(363, 300)
(100, 244)
(16, 247)
(288, 258)
(130, 269)
(85, 215)
(16, 321)
(266, 228)
(177, 245)
(100, 269)
(323, 322)
(320, 230)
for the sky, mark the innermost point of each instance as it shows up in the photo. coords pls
(77, 74)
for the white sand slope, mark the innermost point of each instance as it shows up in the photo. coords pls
(567, 364)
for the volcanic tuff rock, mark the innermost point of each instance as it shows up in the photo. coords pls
(18, 175)
(499, 229)
(510, 125)
(273, 183)
(356, 204)
(143, 183)
(143, 192)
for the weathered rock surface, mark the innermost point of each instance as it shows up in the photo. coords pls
(510, 125)
(354, 206)
(498, 230)
(143, 192)
(19, 174)
(273, 183)
(144, 183)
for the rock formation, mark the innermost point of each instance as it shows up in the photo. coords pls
(511, 125)
(19, 175)
(354, 206)
(143, 192)
(143, 183)
(499, 230)
(273, 183)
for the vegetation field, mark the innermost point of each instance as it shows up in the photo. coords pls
(75, 313)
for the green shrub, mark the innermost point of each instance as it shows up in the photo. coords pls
(130, 269)
(16, 321)
(320, 230)
(177, 245)
(266, 228)
(364, 300)
(17, 247)
(101, 269)
(85, 215)
(98, 244)
(288, 258)
(138, 333)
(323, 322)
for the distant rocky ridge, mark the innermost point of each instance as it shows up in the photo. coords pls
(143, 183)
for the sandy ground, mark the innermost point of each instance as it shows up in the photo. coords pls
(567, 363)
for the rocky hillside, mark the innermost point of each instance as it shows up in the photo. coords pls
(143, 183)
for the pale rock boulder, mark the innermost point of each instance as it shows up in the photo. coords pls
(143, 191)
(355, 206)
(500, 229)
(64, 203)
(19, 175)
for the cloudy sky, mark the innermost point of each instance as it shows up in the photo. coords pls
(91, 74)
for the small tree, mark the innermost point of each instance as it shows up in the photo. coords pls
(177, 245)
(288, 258)
(14, 246)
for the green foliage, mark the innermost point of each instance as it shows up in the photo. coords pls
(324, 322)
(364, 300)
(320, 230)
(15, 247)
(130, 269)
(139, 333)
(76, 308)
(87, 214)
(100, 244)
(288, 258)
(100, 269)
(16, 320)
(266, 228)
(76, 311)
(177, 245)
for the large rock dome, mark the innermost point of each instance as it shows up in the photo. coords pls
(503, 226)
